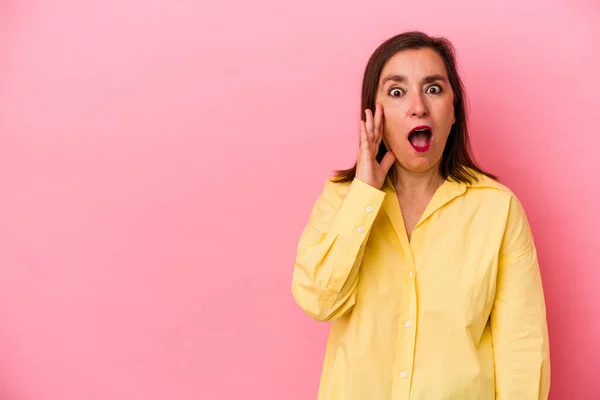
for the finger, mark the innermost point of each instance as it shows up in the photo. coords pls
(378, 124)
(364, 138)
(369, 123)
(388, 161)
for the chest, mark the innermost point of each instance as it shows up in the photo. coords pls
(450, 263)
(412, 208)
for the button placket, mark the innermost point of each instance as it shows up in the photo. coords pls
(408, 336)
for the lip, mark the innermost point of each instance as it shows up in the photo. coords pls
(416, 128)
(426, 147)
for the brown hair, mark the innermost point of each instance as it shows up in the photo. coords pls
(457, 163)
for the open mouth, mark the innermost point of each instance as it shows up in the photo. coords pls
(420, 138)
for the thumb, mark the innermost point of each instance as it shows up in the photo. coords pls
(388, 161)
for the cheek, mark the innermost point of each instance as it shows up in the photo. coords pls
(392, 139)
(393, 118)
(394, 126)
(392, 131)
(449, 107)
(388, 136)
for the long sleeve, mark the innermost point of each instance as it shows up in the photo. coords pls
(518, 318)
(330, 248)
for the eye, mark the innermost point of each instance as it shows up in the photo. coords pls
(395, 92)
(434, 89)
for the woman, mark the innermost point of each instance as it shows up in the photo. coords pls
(423, 262)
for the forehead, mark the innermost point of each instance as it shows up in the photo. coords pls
(414, 64)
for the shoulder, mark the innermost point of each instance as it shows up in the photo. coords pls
(488, 189)
(489, 185)
(333, 192)
(355, 192)
(332, 188)
(502, 205)
(499, 196)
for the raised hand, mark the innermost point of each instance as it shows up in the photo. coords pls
(368, 169)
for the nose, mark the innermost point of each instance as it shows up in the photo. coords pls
(417, 107)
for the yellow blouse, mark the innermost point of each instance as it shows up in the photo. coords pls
(456, 313)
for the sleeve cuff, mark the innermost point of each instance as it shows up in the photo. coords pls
(358, 210)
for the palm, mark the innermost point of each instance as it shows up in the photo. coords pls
(368, 169)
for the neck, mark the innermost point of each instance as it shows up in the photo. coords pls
(417, 183)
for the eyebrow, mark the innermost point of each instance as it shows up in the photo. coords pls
(402, 79)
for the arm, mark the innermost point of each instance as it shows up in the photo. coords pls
(330, 249)
(518, 318)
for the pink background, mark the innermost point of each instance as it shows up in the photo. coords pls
(158, 160)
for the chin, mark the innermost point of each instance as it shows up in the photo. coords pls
(419, 165)
(419, 168)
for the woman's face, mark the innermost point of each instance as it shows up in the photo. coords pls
(418, 108)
